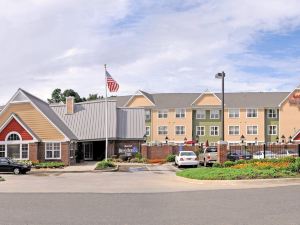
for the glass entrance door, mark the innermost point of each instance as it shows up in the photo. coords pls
(88, 151)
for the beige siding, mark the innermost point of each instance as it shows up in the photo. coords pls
(171, 122)
(243, 122)
(33, 119)
(139, 101)
(208, 99)
(289, 118)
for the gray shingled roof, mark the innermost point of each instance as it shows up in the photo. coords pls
(232, 100)
(50, 114)
(149, 96)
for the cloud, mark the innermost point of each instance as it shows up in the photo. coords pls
(172, 46)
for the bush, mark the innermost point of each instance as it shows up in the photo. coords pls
(138, 155)
(26, 162)
(170, 158)
(241, 161)
(229, 164)
(105, 164)
(295, 167)
(289, 159)
(134, 160)
(217, 165)
(49, 164)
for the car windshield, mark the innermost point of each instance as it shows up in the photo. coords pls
(187, 154)
(211, 150)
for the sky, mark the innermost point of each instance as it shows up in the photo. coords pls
(155, 46)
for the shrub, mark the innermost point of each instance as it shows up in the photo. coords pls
(218, 165)
(26, 162)
(295, 167)
(105, 164)
(241, 161)
(170, 158)
(138, 155)
(134, 160)
(229, 164)
(288, 159)
(49, 165)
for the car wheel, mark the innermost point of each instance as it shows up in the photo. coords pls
(16, 171)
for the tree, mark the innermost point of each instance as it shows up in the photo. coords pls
(94, 97)
(71, 92)
(56, 96)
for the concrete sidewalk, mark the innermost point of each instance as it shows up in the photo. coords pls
(86, 166)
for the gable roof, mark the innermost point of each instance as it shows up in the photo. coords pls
(232, 100)
(50, 114)
(297, 88)
(204, 93)
(22, 124)
(143, 93)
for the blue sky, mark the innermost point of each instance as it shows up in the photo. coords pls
(165, 46)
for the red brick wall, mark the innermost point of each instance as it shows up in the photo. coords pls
(161, 152)
(33, 151)
(64, 153)
(13, 125)
(222, 152)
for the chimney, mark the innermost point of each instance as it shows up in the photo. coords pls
(70, 105)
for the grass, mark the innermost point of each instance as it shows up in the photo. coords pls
(246, 170)
(104, 165)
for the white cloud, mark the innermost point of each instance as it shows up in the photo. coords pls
(159, 47)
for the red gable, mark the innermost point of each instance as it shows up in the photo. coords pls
(297, 138)
(14, 126)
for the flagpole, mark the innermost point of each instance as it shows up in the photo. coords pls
(106, 115)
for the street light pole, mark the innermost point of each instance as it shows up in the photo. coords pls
(222, 76)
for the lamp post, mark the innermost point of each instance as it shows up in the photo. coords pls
(242, 138)
(255, 140)
(277, 139)
(166, 139)
(283, 139)
(185, 139)
(222, 76)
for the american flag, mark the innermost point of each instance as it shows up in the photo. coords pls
(112, 85)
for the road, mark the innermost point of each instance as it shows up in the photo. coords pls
(266, 206)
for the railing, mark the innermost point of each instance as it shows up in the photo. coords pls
(265, 151)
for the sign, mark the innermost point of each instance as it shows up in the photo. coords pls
(128, 149)
(295, 99)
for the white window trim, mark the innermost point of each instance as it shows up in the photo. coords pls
(211, 114)
(269, 130)
(198, 118)
(218, 131)
(180, 126)
(162, 126)
(252, 126)
(200, 130)
(13, 132)
(276, 111)
(233, 126)
(234, 109)
(149, 131)
(46, 158)
(180, 113)
(252, 109)
(165, 111)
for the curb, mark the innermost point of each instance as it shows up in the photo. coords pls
(75, 171)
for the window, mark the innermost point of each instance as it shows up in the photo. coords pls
(272, 113)
(234, 130)
(147, 131)
(200, 114)
(214, 114)
(252, 113)
(252, 130)
(13, 137)
(24, 151)
(214, 131)
(162, 130)
(272, 130)
(180, 113)
(200, 131)
(52, 150)
(234, 113)
(2, 150)
(147, 115)
(180, 130)
(163, 114)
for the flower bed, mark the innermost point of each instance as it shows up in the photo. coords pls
(252, 169)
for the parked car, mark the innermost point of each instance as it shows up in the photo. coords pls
(186, 158)
(287, 152)
(239, 154)
(260, 155)
(208, 156)
(9, 165)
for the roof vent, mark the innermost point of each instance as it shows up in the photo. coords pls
(70, 105)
